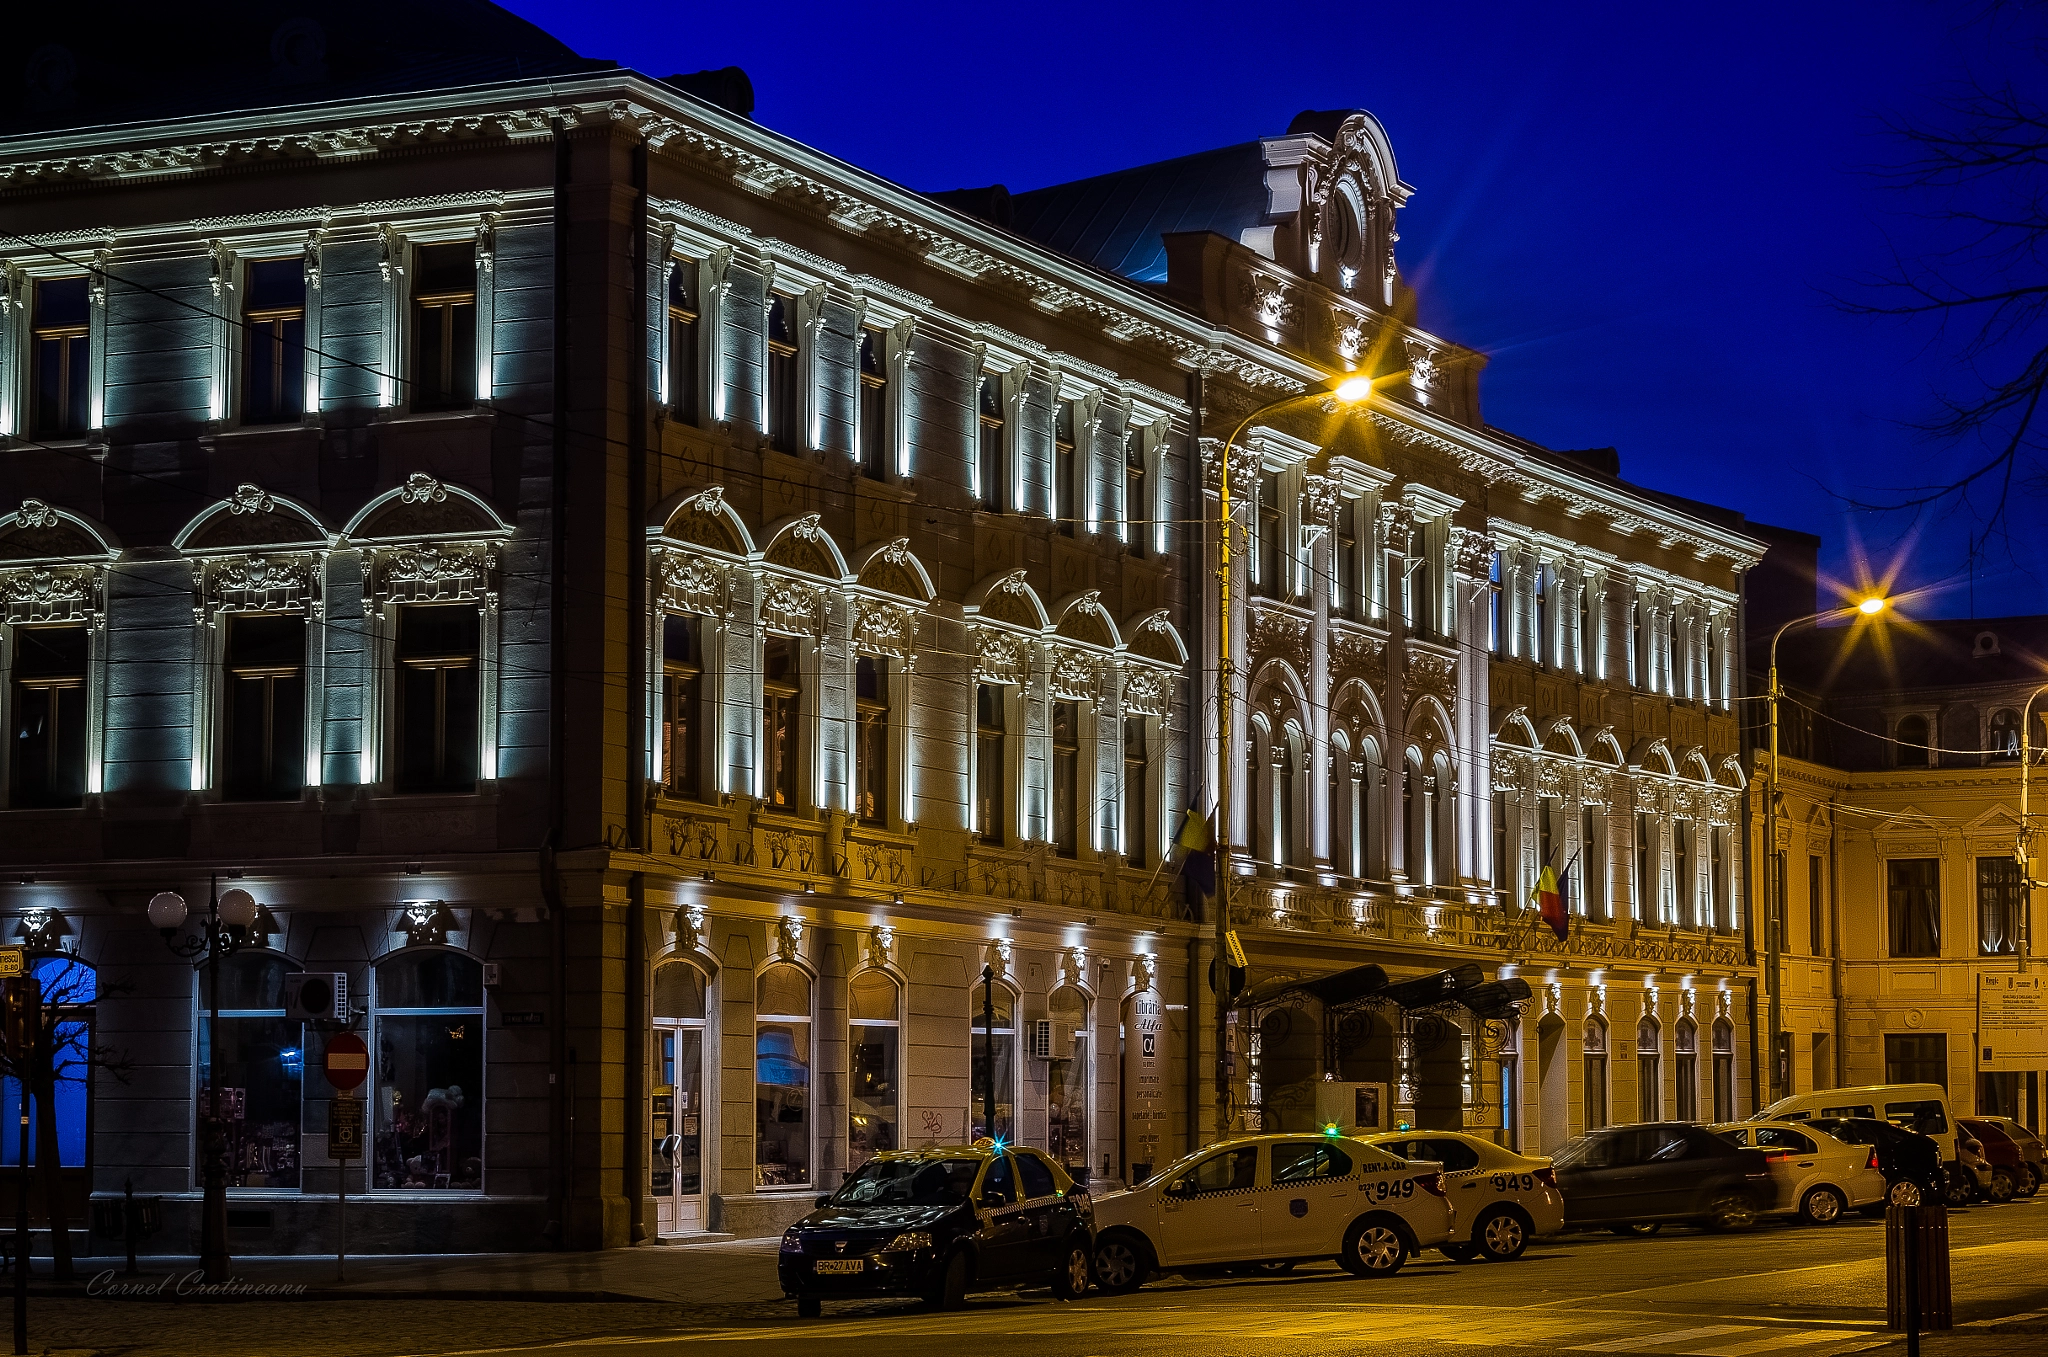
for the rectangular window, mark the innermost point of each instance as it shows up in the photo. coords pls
(988, 444)
(1493, 605)
(1776, 922)
(990, 784)
(444, 327)
(1596, 1090)
(782, 402)
(683, 314)
(1683, 885)
(1717, 879)
(874, 405)
(1639, 653)
(1137, 511)
(871, 756)
(1344, 588)
(783, 1095)
(438, 655)
(1066, 499)
(2001, 904)
(1582, 643)
(1687, 1068)
(1645, 871)
(1137, 794)
(1816, 904)
(682, 677)
(781, 721)
(274, 342)
(61, 343)
(1271, 558)
(1543, 651)
(1649, 1094)
(1592, 863)
(874, 1047)
(430, 1109)
(1916, 1058)
(993, 1062)
(1913, 886)
(1503, 870)
(1066, 778)
(50, 721)
(262, 1063)
(264, 695)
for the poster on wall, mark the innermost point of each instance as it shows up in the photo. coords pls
(2012, 1022)
(1145, 1117)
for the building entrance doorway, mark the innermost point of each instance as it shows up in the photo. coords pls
(675, 1127)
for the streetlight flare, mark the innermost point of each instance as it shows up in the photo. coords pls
(1353, 390)
(1872, 606)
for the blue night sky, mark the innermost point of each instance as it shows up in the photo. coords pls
(1636, 211)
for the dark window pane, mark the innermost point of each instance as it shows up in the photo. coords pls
(437, 697)
(276, 285)
(1914, 888)
(430, 1103)
(62, 303)
(441, 269)
(437, 631)
(430, 978)
(263, 1062)
(50, 652)
(1066, 776)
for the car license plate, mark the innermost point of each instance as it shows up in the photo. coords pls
(840, 1264)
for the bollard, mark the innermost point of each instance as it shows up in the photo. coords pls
(1916, 1270)
(128, 1222)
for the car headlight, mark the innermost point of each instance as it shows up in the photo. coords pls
(908, 1241)
(792, 1242)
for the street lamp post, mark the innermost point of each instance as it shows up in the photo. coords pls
(1774, 885)
(1350, 391)
(222, 931)
(2023, 851)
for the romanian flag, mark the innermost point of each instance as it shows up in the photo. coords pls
(1548, 898)
(1198, 863)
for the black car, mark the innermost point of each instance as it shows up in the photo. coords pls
(939, 1223)
(1633, 1179)
(1910, 1162)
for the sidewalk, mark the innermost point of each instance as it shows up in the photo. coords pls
(728, 1272)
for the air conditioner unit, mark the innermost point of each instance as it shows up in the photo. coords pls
(1040, 1039)
(316, 996)
(1353, 1107)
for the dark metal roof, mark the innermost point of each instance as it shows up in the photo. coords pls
(1119, 221)
(1904, 654)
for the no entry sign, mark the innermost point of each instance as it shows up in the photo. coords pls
(348, 1061)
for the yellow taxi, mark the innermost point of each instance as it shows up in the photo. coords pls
(1503, 1199)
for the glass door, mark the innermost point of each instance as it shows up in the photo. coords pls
(676, 1128)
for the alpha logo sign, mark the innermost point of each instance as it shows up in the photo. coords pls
(2012, 1022)
(1145, 1114)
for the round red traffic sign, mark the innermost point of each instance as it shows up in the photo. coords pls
(348, 1061)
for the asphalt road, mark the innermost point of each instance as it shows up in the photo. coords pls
(1778, 1289)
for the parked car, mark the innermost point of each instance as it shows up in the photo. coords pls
(939, 1223)
(1635, 1179)
(2033, 1154)
(1273, 1199)
(1910, 1162)
(1503, 1199)
(2005, 1164)
(1922, 1108)
(1817, 1176)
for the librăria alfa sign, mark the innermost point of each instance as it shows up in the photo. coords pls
(1145, 1114)
(2012, 1021)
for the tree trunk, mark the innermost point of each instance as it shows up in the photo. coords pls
(49, 1165)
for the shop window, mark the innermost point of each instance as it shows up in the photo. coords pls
(2001, 903)
(990, 434)
(782, 402)
(682, 679)
(871, 753)
(262, 1071)
(438, 733)
(1596, 1074)
(1686, 1042)
(782, 720)
(1066, 1075)
(994, 1056)
(61, 353)
(444, 327)
(1649, 1091)
(1724, 1070)
(1913, 888)
(1066, 778)
(683, 315)
(1137, 794)
(990, 785)
(874, 1041)
(1065, 471)
(50, 719)
(873, 452)
(274, 342)
(69, 989)
(782, 1077)
(264, 692)
(429, 1068)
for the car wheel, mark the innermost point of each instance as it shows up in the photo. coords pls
(1120, 1265)
(1731, 1211)
(1501, 1236)
(1642, 1230)
(2032, 1183)
(1457, 1253)
(1956, 1189)
(950, 1293)
(1072, 1281)
(2002, 1188)
(809, 1307)
(1821, 1206)
(1374, 1248)
(1904, 1192)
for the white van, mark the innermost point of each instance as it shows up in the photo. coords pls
(1911, 1107)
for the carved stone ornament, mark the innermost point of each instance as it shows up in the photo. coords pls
(435, 572)
(691, 584)
(1422, 368)
(1319, 503)
(420, 488)
(269, 584)
(1074, 966)
(882, 629)
(1471, 552)
(789, 936)
(1000, 656)
(1350, 335)
(1076, 675)
(1278, 635)
(881, 946)
(997, 958)
(1144, 973)
(689, 925)
(46, 594)
(250, 499)
(1397, 524)
(35, 514)
(1360, 657)
(791, 608)
(1244, 470)
(1433, 675)
(1147, 691)
(1267, 298)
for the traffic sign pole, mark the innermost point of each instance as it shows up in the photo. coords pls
(347, 1065)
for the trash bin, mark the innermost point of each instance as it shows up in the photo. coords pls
(1916, 1267)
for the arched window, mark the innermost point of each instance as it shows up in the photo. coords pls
(69, 988)
(1443, 824)
(1910, 743)
(782, 1076)
(1343, 809)
(2005, 734)
(1289, 783)
(874, 1004)
(1372, 838)
(994, 1058)
(1649, 1090)
(429, 1066)
(1067, 1082)
(1258, 790)
(1596, 1073)
(676, 1126)
(1724, 1070)
(1685, 1042)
